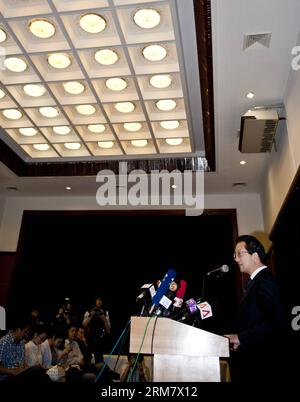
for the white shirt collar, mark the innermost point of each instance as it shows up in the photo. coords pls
(253, 275)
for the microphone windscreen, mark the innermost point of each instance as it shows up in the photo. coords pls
(225, 268)
(164, 286)
(182, 289)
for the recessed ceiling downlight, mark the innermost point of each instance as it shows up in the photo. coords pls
(174, 141)
(86, 110)
(48, 111)
(161, 81)
(96, 128)
(139, 143)
(92, 23)
(73, 146)
(166, 105)
(3, 35)
(28, 131)
(34, 90)
(59, 60)
(61, 130)
(15, 64)
(106, 144)
(12, 114)
(74, 87)
(147, 18)
(41, 28)
(170, 124)
(116, 84)
(106, 57)
(132, 126)
(154, 52)
(125, 107)
(41, 147)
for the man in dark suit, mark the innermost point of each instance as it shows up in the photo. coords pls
(261, 322)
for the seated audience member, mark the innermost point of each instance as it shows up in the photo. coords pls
(12, 350)
(83, 346)
(33, 348)
(73, 355)
(46, 347)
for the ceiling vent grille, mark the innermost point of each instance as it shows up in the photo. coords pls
(261, 38)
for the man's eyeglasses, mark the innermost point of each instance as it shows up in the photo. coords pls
(240, 253)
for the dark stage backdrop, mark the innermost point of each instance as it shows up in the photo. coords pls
(81, 255)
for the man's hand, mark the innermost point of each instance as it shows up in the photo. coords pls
(233, 341)
(16, 371)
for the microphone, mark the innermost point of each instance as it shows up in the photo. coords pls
(149, 290)
(223, 268)
(160, 296)
(187, 312)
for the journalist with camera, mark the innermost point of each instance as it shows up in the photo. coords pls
(97, 324)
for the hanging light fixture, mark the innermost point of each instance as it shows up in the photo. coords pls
(34, 90)
(28, 131)
(96, 128)
(92, 23)
(15, 64)
(73, 146)
(132, 126)
(139, 143)
(170, 124)
(174, 141)
(106, 144)
(116, 84)
(154, 52)
(147, 18)
(73, 87)
(86, 109)
(12, 114)
(41, 28)
(166, 105)
(3, 35)
(61, 130)
(161, 81)
(106, 57)
(41, 147)
(59, 60)
(48, 111)
(125, 107)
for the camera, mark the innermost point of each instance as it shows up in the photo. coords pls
(98, 311)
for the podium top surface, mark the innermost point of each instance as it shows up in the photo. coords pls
(166, 336)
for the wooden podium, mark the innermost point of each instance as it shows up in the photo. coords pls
(181, 353)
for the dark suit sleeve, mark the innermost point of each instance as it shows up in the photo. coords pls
(268, 316)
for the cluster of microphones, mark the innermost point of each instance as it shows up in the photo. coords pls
(165, 298)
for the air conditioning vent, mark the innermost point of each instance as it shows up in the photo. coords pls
(262, 38)
(258, 129)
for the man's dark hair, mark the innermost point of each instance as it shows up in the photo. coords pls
(253, 246)
(21, 322)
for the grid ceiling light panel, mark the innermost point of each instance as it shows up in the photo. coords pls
(127, 41)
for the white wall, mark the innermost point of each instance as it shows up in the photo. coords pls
(285, 162)
(2, 205)
(249, 213)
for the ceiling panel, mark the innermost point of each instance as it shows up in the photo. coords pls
(150, 81)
